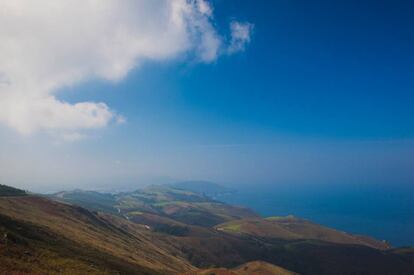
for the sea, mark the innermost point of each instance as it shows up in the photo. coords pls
(382, 211)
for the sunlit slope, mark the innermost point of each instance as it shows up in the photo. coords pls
(32, 249)
(92, 230)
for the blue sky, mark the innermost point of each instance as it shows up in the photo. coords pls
(323, 92)
(320, 69)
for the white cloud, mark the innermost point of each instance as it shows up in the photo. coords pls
(46, 45)
(240, 36)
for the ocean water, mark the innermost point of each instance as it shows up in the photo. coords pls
(383, 211)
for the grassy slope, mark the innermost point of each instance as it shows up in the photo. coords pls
(309, 230)
(27, 248)
(251, 268)
(204, 246)
(304, 257)
(291, 228)
(89, 199)
(261, 268)
(88, 229)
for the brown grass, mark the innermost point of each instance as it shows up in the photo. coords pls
(94, 231)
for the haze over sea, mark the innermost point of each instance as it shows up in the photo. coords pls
(383, 211)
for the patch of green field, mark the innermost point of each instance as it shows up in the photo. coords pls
(165, 203)
(135, 213)
(129, 202)
(278, 218)
(234, 227)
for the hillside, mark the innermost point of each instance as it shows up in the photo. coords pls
(187, 224)
(251, 268)
(262, 268)
(178, 204)
(292, 228)
(83, 228)
(8, 191)
(160, 230)
(32, 249)
(92, 200)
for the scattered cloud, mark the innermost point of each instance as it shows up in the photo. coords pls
(240, 36)
(47, 45)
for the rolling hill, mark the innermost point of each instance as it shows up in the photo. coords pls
(164, 230)
(83, 229)
(175, 203)
(187, 224)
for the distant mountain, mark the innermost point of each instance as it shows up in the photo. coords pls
(167, 230)
(203, 187)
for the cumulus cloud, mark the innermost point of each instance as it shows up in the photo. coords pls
(46, 45)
